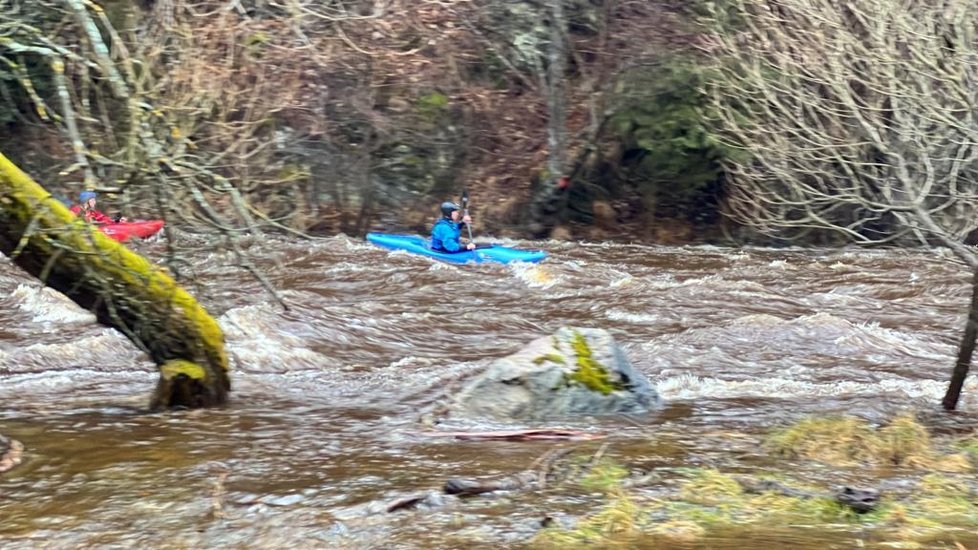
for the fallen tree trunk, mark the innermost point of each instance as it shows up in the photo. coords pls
(123, 289)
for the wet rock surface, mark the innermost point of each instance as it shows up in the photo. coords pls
(11, 453)
(577, 371)
(860, 499)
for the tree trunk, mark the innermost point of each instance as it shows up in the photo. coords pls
(124, 290)
(556, 91)
(549, 202)
(963, 364)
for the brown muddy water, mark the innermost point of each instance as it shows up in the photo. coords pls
(322, 429)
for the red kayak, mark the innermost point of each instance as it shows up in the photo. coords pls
(123, 231)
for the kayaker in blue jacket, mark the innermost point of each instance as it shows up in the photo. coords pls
(446, 232)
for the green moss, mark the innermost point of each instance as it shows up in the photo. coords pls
(970, 447)
(552, 357)
(710, 503)
(256, 43)
(433, 104)
(177, 367)
(412, 160)
(939, 502)
(709, 500)
(588, 372)
(605, 476)
(293, 173)
(710, 487)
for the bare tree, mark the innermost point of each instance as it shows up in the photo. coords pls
(546, 206)
(857, 117)
(555, 83)
(532, 40)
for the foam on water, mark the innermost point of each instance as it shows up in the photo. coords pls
(255, 341)
(626, 280)
(412, 362)
(820, 333)
(435, 265)
(692, 387)
(247, 321)
(76, 380)
(48, 306)
(107, 349)
(631, 317)
(534, 275)
(345, 267)
(872, 336)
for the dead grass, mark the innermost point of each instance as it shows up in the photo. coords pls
(849, 441)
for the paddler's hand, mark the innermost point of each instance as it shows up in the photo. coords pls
(466, 219)
(470, 246)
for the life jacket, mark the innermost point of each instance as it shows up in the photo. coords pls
(445, 235)
(90, 215)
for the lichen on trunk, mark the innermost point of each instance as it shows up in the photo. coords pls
(123, 289)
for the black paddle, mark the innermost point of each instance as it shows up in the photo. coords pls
(465, 210)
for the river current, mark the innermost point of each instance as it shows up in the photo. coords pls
(323, 425)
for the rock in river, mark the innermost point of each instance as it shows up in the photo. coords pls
(11, 451)
(577, 371)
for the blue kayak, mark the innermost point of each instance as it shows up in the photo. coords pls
(485, 253)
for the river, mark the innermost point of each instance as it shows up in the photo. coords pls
(323, 422)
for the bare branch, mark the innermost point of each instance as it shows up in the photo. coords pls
(858, 117)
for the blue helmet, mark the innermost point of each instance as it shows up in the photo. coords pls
(85, 195)
(447, 208)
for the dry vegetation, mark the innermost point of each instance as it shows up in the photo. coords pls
(311, 114)
(935, 505)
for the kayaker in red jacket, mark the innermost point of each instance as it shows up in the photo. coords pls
(87, 207)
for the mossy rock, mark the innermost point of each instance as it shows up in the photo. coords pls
(576, 371)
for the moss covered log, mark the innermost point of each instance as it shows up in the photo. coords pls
(124, 290)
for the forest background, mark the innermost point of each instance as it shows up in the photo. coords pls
(808, 122)
(353, 115)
